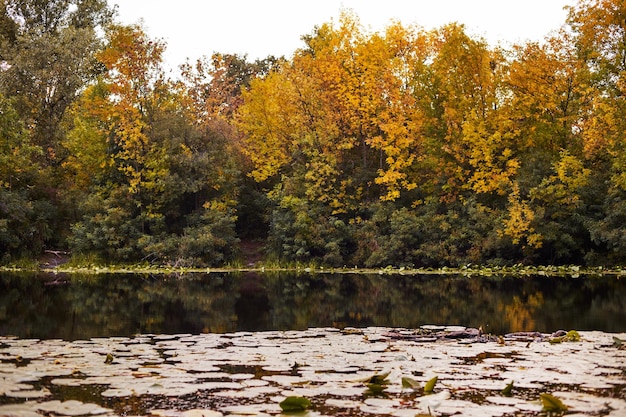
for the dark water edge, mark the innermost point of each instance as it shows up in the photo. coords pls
(81, 306)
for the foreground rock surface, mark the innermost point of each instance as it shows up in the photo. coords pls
(251, 373)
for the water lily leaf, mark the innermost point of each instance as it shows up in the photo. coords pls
(291, 404)
(552, 404)
(375, 389)
(571, 336)
(117, 392)
(507, 391)
(430, 385)
(22, 410)
(379, 379)
(377, 384)
(201, 413)
(410, 383)
(44, 392)
(71, 408)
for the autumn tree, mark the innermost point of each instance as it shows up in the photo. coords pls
(547, 91)
(214, 87)
(165, 189)
(351, 122)
(215, 84)
(599, 27)
(308, 126)
(405, 147)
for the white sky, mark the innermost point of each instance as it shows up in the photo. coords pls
(258, 28)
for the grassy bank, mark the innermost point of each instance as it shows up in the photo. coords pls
(87, 265)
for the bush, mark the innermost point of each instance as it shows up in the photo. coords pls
(301, 231)
(24, 224)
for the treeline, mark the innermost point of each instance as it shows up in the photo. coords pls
(404, 147)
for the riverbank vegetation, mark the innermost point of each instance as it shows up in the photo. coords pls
(405, 147)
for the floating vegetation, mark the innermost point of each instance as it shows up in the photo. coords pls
(376, 384)
(294, 404)
(552, 404)
(562, 336)
(410, 383)
(468, 270)
(430, 385)
(373, 371)
(508, 390)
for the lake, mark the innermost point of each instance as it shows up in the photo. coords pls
(241, 343)
(83, 306)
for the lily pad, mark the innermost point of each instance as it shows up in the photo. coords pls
(68, 382)
(410, 383)
(508, 390)
(430, 385)
(117, 392)
(284, 380)
(294, 404)
(18, 410)
(28, 393)
(333, 402)
(201, 413)
(382, 402)
(552, 403)
(251, 410)
(71, 408)
(252, 392)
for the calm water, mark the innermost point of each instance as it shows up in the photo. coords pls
(78, 306)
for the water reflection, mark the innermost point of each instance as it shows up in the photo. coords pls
(83, 306)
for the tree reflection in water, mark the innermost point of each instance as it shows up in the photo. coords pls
(80, 306)
(252, 308)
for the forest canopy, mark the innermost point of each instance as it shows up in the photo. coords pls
(405, 147)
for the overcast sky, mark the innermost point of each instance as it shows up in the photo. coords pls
(258, 28)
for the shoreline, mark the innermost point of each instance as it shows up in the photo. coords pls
(573, 271)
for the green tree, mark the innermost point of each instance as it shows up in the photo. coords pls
(48, 49)
(23, 210)
(165, 188)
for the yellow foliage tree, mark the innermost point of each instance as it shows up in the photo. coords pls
(493, 164)
(87, 139)
(464, 90)
(563, 187)
(518, 224)
(134, 80)
(549, 88)
(268, 120)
